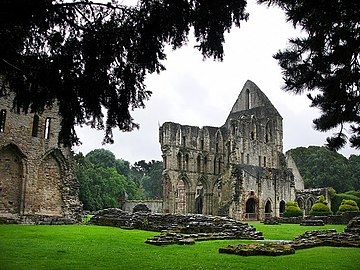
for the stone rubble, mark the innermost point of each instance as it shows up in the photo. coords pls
(325, 238)
(315, 238)
(312, 222)
(177, 229)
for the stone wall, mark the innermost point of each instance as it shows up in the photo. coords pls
(154, 206)
(36, 174)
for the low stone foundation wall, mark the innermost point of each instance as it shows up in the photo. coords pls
(200, 226)
(39, 220)
(335, 219)
(154, 206)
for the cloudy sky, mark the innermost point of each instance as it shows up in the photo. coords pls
(199, 92)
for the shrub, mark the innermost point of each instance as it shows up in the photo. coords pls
(292, 209)
(336, 202)
(320, 208)
(347, 206)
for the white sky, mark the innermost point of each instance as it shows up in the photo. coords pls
(201, 93)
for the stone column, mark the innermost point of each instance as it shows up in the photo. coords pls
(208, 203)
(190, 202)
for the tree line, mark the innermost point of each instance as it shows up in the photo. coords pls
(107, 182)
(321, 167)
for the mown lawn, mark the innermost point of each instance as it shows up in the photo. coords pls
(95, 247)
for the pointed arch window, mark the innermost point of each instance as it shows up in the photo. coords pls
(2, 120)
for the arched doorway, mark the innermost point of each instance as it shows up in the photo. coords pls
(300, 202)
(180, 197)
(282, 208)
(48, 191)
(268, 209)
(309, 203)
(250, 213)
(11, 180)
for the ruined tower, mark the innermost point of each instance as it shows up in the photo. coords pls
(238, 169)
(37, 182)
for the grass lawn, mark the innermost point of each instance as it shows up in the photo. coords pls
(95, 247)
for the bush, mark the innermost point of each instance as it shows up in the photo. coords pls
(292, 209)
(320, 208)
(348, 206)
(350, 195)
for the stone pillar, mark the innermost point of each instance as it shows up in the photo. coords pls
(190, 202)
(208, 203)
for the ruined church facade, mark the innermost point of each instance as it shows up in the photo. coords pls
(37, 181)
(238, 169)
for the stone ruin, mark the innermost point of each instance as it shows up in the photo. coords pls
(37, 181)
(175, 228)
(349, 238)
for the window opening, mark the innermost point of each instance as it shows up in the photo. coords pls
(47, 128)
(2, 120)
(35, 127)
(247, 99)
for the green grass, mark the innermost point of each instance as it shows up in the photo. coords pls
(289, 231)
(95, 247)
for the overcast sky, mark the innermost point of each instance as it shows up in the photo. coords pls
(201, 93)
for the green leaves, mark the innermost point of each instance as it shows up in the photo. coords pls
(106, 182)
(321, 167)
(93, 58)
(325, 60)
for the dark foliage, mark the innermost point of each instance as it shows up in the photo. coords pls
(105, 181)
(93, 57)
(336, 202)
(321, 167)
(325, 60)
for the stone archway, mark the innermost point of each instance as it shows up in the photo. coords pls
(48, 193)
(268, 209)
(250, 210)
(300, 202)
(282, 207)
(309, 203)
(11, 180)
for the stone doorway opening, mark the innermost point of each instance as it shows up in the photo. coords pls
(250, 213)
(268, 209)
(282, 208)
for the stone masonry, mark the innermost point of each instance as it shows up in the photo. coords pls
(37, 182)
(236, 170)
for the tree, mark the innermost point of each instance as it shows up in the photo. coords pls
(325, 60)
(90, 57)
(102, 157)
(321, 167)
(149, 175)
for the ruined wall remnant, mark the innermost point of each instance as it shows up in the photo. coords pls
(237, 170)
(37, 183)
